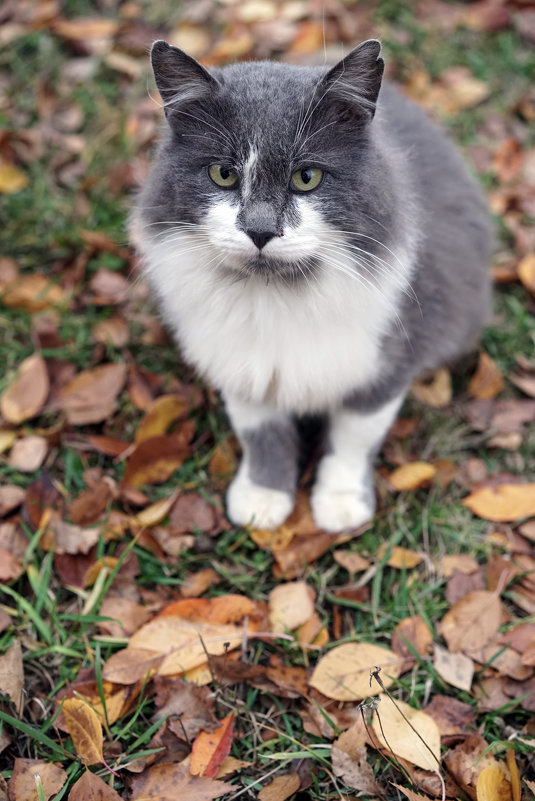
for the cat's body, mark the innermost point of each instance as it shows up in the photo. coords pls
(294, 301)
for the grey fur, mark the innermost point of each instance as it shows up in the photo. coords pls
(391, 178)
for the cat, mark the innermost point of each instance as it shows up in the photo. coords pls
(314, 243)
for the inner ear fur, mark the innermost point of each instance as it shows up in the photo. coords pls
(179, 77)
(356, 80)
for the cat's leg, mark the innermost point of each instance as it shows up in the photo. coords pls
(343, 495)
(262, 492)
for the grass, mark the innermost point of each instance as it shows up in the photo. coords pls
(39, 226)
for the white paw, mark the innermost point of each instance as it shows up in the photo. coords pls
(251, 505)
(335, 511)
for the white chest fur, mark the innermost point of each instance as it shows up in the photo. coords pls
(300, 349)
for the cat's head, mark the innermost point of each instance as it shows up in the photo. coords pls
(270, 166)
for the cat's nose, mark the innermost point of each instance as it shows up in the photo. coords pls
(260, 238)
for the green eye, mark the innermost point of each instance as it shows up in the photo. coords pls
(223, 176)
(306, 179)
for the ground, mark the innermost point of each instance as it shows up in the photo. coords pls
(114, 459)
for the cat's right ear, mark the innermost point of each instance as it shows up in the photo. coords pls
(356, 79)
(179, 78)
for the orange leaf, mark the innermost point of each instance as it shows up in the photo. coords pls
(32, 292)
(526, 272)
(492, 785)
(505, 503)
(435, 389)
(26, 395)
(83, 725)
(210, 749)
(412, 475)
(161, 413)
(487, 381)
(400, 557)
(155, 460)
(230, 608)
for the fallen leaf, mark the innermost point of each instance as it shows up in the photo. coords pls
(399, 558)
(196, 583)
(344, 672)
(7, 438)
(11, 566)
(11, 497)
(412, 631)
(467, 760)
(172, 782)
(472, 622)
(411, 476)
(22, 786)
(352, 561)
(290, 605)
(461, 584)
(85, 729)
(91, 787)
(28, 454)
(131, 665)
(12, 675)
(91, 396)
(411, 795)
(397, 735)
(26, 395)
(281, 788)
(458, 561)
(161, 413)
(32, 292)
(12, 179)
(155, 460)
(353, 769)
(128, 616)
(231, 765)
(454, 718)
(68, 538)
(193, 705)
(504, 503)
(526, 272)
(85, 27)
(492, 785)
(210, 749)
(487, 381)
(455, 668)
(113, 331)
(231, 608)
(109, 286)
(435, 389)
(191, 512)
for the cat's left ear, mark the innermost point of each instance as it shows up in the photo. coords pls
(179, 78)
(356, 79)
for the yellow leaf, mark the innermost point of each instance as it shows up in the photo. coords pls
(412, 475)
(344, 673)
(400, 557)
(487, 381)
(434, 389)
(12, 179)
(83, 725)
(492, 785)
(404, 738)
(503, 504)
(32, 292)
(154, 513)
(290, 605)
(162, 412)
(526, 272)
(7, 438)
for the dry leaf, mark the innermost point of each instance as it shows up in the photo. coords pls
(91, 396)
(11, 566)
(434, 390)
(290, 605)
(487, 381)
(85, 729)
(128, 616)
(32, 292)
(27, 393)
(281, 788)
(173, 782)
(111, 332)
(11, 497)
(454, 719)
(231, 608)
(12, 675)
(353, 769)
(414, 631)
(504, 503)
(133, 664)
(196, 583)
(412, 475)
(526, 272)
(85, 27)
(492, 785)
(91, 787)
(352, 561)
(401, 739)
(411, 795)
(472, 622)
(210, 749)
(28, 454)
(344, 672)
(458, 561)
(22, 785)
(155, 513)
(399, 557)
(161, 413)
(455, 668)
(12, 179)
(155, 460)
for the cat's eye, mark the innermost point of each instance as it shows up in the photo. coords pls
(306, 179)
(223, 176)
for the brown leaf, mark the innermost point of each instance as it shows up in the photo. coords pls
(91, 504)
(113, 331)
(161, 413)
(411, 476)
(353, 769)
(27, 393)
(411, 795)
(290, 605)
(22, 785)
(505, 503)
(466, 761)
(412, 630)
(155, 460)
(32, 292)
(196, 583)
(210, 749)
(435, 389)
(10, 565)
(12, 675)
(11, 497)
(85, 27)
(109, 286)
(128, 616)
(460, 584)
(192, 706)
(73, 539)
(172, 782)
(400, 558)
(131, 665)
(92, 395)
(519, 637)
(28, 454)
(454, 718)
(192, 512)
(487, 381)
(352, 561)
(455, 668)
(281, 788)
(394, 732)
(472, 622)
(458, 561)
(91, 787)
(85, 729)
(526, 272)
(344, 672)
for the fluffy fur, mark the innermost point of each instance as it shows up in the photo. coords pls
(358, 286)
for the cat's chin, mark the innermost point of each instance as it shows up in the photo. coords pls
(270, 269)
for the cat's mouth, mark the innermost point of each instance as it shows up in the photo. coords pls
(273, 269)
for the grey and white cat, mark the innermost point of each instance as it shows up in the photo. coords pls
(314, 244)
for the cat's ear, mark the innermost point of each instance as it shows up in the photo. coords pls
(356, 79)
(179, 78)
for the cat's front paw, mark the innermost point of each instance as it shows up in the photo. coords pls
(249, 504)
(336, 511)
